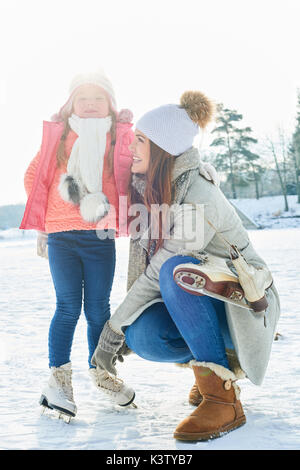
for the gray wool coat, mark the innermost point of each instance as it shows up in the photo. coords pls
(251, 334)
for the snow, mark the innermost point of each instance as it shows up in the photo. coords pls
(14, 235)
(27, 304)
(268, 212)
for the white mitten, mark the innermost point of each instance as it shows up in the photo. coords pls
(41, 246)
(209, 172)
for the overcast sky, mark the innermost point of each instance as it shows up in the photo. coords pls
(244, 53)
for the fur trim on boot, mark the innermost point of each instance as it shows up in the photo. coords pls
(184, 365)
(221, 372)
(232, 360)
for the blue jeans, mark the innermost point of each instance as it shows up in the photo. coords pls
(82, 268)
(183, 327)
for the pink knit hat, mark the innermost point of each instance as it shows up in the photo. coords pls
(94, 78)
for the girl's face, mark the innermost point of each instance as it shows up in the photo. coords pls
(90, 101)
(140, 148)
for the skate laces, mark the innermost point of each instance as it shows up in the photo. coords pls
(107, 382)
(64, 379)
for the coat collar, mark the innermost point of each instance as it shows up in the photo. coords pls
(188, 160)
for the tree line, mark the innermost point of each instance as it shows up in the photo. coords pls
(236, 154)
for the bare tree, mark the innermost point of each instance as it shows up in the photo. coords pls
(274, 150)
(296, 147)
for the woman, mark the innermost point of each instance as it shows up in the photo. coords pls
(158, 320)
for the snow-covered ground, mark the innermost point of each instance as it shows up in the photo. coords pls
(268, 212)
(27, 304)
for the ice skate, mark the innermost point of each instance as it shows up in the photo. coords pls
(255, 281)
(113, 387)
(215, 279)
(58, 393)
(212, 278)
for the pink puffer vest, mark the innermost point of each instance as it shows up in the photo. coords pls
(36, 207)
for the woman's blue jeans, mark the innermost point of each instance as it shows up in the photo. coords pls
(183, 327)
(82, 268)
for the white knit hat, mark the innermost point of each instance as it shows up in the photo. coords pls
(169, 127)
(94, 78)
(173, 127)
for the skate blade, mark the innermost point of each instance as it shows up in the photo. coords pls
(127, 406)
(202, 291)
(238, 303)
(62, 414)
(133, 405)
(65, 417)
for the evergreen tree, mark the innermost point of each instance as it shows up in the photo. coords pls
(250, 160)
(227, 160)
(235, 156)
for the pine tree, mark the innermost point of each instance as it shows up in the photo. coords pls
(249, 159)
(227, 160)
(235, 156)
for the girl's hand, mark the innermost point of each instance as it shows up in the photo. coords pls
(41, 246)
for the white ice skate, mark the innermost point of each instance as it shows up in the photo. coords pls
(215, 279)
(113, 387)
(58, 393)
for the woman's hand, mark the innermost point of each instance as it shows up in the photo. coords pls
(41, 244)
(108, 349)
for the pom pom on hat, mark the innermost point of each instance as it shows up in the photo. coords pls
(199, 108)
(125, 115)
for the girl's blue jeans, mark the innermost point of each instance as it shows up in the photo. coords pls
(82, 268)
(182, 327)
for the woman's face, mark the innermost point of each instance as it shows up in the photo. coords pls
(140, 148)
(90, 101)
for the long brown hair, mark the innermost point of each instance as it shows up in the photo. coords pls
(158, 190)
(61, 156)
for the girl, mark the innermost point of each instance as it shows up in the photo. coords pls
(74, 183)
(158, 320)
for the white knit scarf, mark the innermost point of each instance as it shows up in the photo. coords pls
(87, 155)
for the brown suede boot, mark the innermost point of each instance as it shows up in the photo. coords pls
(220, 410)
(195, 397)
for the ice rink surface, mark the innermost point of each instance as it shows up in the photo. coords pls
(27, 304)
